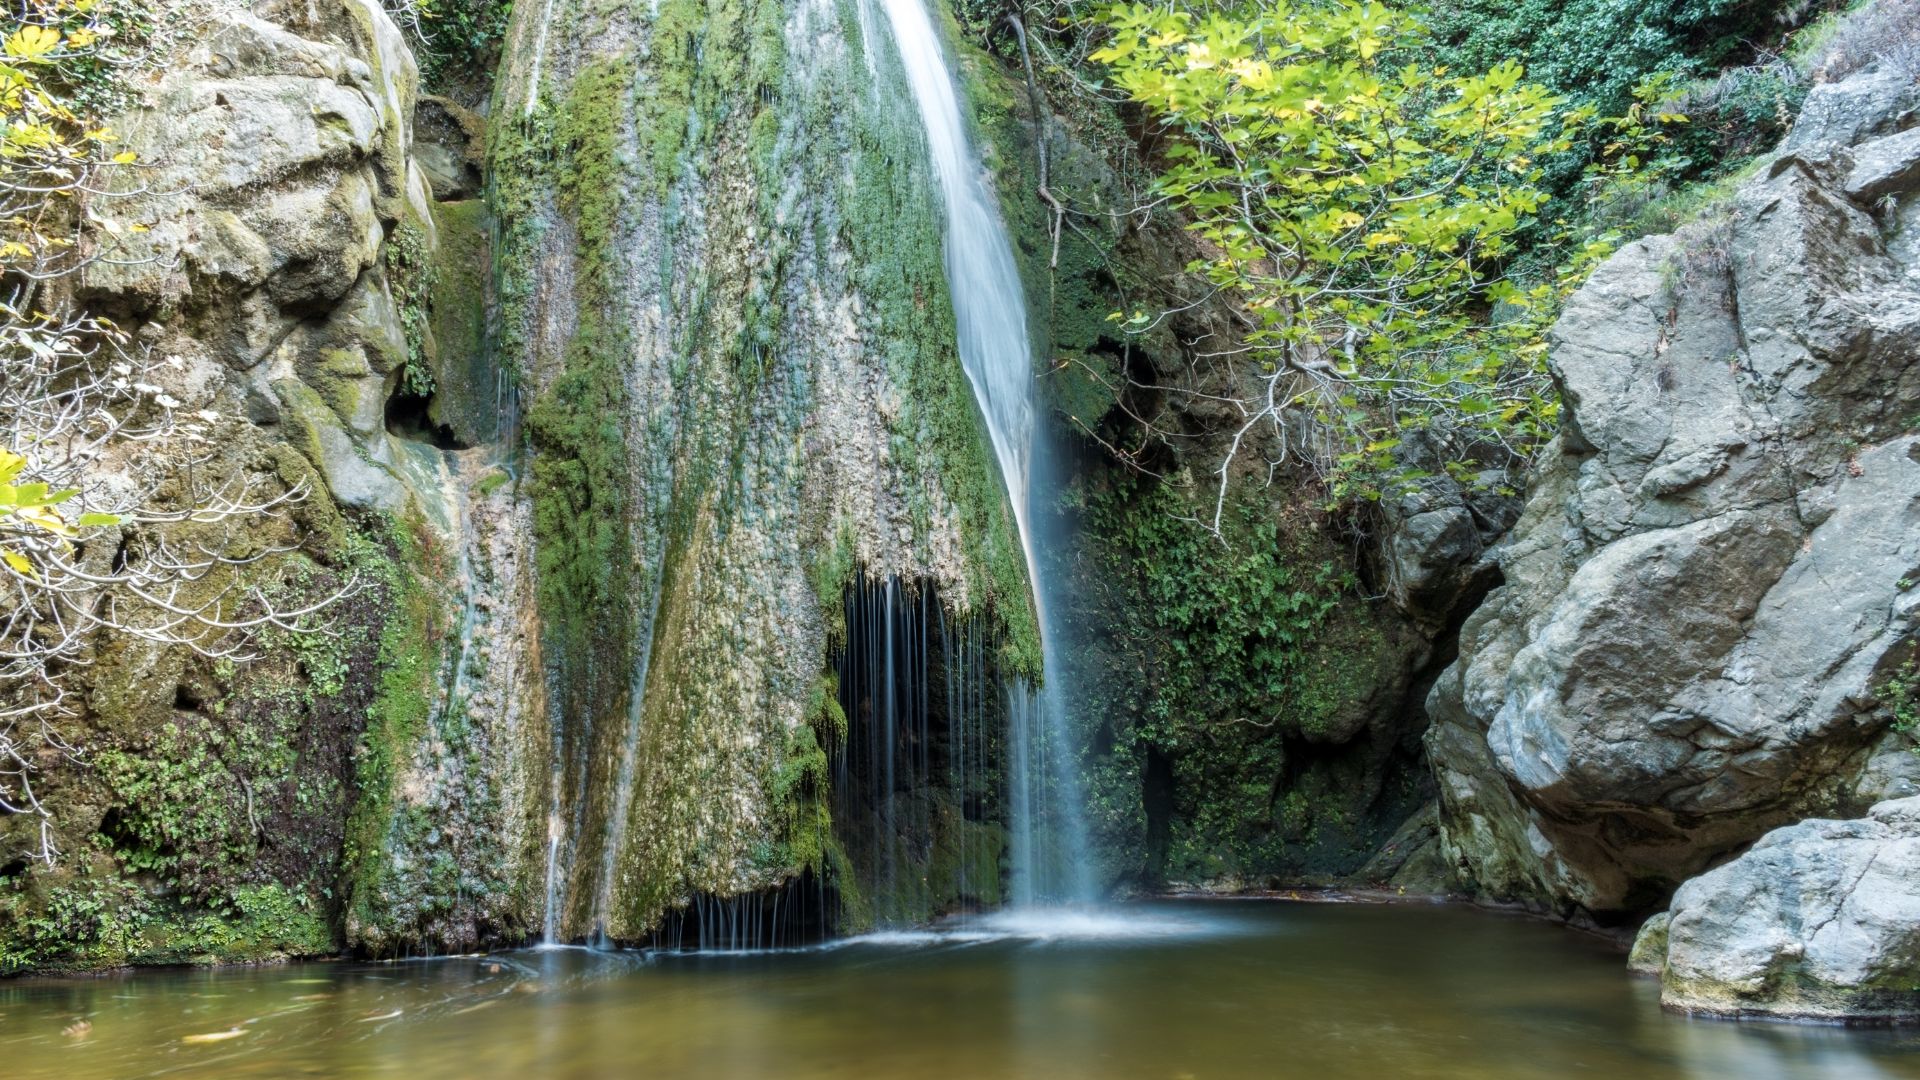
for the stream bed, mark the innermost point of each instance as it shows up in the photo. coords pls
(1179, 990)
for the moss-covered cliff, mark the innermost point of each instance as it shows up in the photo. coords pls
(722, 296)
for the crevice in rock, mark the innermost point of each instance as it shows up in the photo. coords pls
(410, 416)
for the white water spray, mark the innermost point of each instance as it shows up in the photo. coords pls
(1049, 847)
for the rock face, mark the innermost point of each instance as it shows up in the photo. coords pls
(724, 299)
(1713, 575)
(373, 786)
(1819, 920)
(280, 150)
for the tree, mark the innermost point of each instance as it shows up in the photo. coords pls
(112, 502)
(1352, 205)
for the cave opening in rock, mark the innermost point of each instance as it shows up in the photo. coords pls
(410, 416)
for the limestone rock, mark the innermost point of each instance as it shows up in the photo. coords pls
(1875, 102)
(1649, 955)
(1819, 920)
(1705, 587)
(450, 144)
(279, 162)
(1440, 538)
(1884, 166)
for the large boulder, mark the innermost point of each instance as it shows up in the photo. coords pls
(276, 164)
(1819, 920)
(1712, 577)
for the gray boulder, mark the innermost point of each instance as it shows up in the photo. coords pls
(1819, 920)
(277, 165)
(1711, 576)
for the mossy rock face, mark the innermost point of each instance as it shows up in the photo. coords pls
(1245, 708)
(722, 296)
(206, 820)
(1649, 955)
(467, 397)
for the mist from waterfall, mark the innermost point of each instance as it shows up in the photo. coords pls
(1048, 841)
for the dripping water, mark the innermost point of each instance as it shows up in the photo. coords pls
(909, 779)
(616, 832)
(1049, 847)
(539, 53)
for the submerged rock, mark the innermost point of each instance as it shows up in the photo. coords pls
(1819, 920)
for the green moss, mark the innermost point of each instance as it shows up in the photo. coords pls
(407, 662)
(220, 798)
(492, 482)
(666, 104)
(577, 426)
(410, 279)
(964, 869)
(106, 922)
(1239, 678)
(463, 376)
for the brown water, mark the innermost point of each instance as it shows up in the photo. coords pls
(1167, 992)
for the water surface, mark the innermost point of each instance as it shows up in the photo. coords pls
(1173, 991)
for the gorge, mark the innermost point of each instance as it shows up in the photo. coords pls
(780, 515)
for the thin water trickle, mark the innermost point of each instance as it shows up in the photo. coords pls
(1050, 854)
(616, 833)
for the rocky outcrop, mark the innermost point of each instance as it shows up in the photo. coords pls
(1819, 921)
(280, 164)
(722, 293)
(377, 785)
(1713, 575)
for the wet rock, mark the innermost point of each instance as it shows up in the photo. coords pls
(1649, 955)
(1819, 920)
(450, 144)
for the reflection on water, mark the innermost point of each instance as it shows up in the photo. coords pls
(1162, 991)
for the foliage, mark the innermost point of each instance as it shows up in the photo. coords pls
(1900, 693)
(57, 74)
(455, 40)
(99, 922)
(410, 277)
(1229, 694)
(1235, 622)
(96, 537)
(1349, 201)
(1598, 54)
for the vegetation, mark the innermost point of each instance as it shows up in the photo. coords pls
(115, 514)
(410, 277)
(1600, 54)
(1226, 687)
(1900, 693)
(455, 41)
(1353, 204)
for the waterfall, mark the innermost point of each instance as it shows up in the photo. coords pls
(1048, 842)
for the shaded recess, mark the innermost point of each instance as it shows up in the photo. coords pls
(918, 781)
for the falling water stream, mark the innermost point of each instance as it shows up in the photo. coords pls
(1048, 836)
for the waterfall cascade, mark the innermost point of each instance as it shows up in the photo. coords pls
(756, 499)
(1048, 843)
(916, 781)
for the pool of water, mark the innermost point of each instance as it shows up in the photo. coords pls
(1165, 991)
